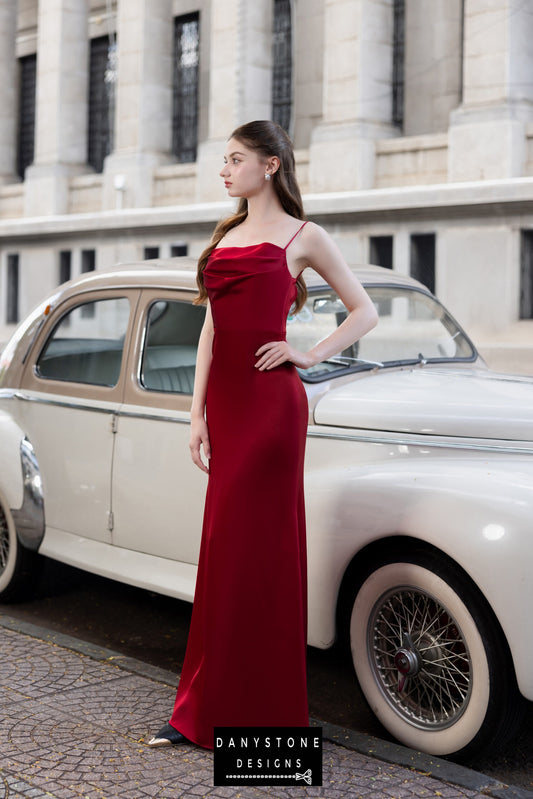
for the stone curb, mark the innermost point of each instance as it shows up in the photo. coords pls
(362, 743)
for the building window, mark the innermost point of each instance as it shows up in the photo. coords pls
(423, 259)
(88, 264)
(150, 253)
(282, 64)
(26, 116)
(185, 87)
(526, 275)
(381, 251)
(398, 61)
(102, 79)
(178, 250)
(12, 307)
(65, 266)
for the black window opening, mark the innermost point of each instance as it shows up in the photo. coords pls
(26, 114)
(12, 298)
(102, 79)
(422, 257)
(381, 251)
(398, 62)
(526, 275)
(150, 253)
(178, 250)
(88, 264)
(185, 87)
(282, 64)
(65, 266)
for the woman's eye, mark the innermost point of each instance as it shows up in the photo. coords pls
(235, 160)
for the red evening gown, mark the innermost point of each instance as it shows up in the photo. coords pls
(245, 663)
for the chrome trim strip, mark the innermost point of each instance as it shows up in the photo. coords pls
(370, 439)
(417, 442)
(154, 416)
(64, 403)
(29, 518)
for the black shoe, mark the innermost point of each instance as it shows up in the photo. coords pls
(168, 736)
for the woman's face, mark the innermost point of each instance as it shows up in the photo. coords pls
(244, 170)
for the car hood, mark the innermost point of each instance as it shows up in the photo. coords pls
(428, 401)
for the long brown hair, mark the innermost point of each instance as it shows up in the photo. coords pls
(268, 139)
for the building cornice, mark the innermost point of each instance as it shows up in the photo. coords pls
(446, 200)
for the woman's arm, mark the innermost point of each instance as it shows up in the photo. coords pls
(318, 250)
(199, 431)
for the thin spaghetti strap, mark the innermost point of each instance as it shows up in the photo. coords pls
(300, 228)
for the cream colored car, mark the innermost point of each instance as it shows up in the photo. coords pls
(419, 482)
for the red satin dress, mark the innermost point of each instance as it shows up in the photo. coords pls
(245, 663)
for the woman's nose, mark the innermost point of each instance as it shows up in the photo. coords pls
(224, 171)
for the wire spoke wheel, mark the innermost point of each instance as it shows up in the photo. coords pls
(5, 543)
(420, 658)
(430, 657)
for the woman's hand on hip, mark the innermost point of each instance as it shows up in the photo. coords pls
(200, 438)
(277, 352)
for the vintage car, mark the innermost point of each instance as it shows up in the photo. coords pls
(419, 484)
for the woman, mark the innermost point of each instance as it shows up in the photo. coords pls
(245, 663)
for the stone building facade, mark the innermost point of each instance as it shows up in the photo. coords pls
(412, 122)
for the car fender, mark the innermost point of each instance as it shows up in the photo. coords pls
(20, 483)
(479, 514)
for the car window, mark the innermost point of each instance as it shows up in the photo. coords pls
(412, 327)
(87, 344)
(171, 341)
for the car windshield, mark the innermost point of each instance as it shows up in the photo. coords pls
(413, 328)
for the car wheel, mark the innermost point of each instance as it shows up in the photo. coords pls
(17, 564)
(431, 659)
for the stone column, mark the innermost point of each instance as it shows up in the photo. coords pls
(8, 84)
(240, 82)
(357, 102)
(487, 135)
(61, 105)
(143, 119)
(432, 64)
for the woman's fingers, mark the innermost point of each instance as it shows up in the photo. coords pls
(273, 354)
(199, 439)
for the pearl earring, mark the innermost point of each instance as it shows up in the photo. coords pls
(267, 176)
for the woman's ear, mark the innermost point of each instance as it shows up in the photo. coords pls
(272, 164)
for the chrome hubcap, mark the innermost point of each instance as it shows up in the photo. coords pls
(419, 658)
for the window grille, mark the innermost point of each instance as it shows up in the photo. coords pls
(26, 122)
(185, 87)
(526, 275)
(282, 64)
(12, 309)
(102, 80)
(423, 259)
(150, 253)
(398, 60)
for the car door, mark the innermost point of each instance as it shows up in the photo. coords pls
(71, 391)
(158, 494)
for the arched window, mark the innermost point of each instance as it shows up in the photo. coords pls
(398, 59)
(282, 63)
(101, 112)
(185, 89)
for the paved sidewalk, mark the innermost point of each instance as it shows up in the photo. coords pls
(74, 719)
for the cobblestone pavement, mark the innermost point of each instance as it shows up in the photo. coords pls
(73, 726)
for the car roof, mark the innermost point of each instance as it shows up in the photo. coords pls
(180, 273)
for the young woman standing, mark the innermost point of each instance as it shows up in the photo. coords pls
(245, 663)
